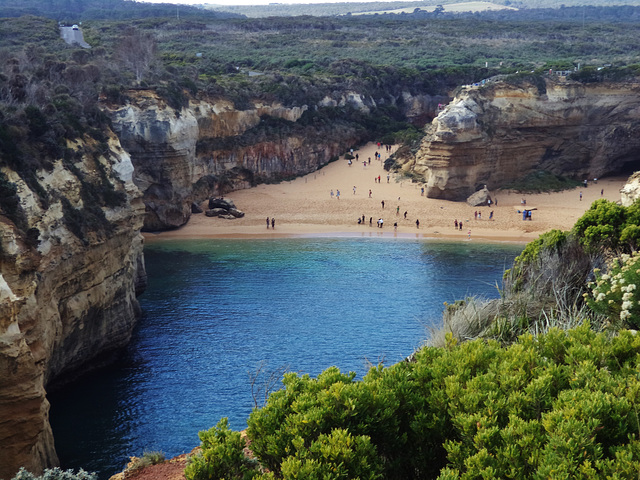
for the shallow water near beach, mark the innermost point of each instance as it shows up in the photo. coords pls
(216, 311)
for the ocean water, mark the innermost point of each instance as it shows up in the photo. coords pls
(218, 311)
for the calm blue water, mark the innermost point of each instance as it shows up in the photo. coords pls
(215, 311)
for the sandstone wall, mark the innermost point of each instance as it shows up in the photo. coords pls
(499, 132)
(210, 147)
(66, 303)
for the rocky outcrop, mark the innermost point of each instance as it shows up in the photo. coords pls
(209, 147)
(69, 275)
(496, 133)
(631, 190)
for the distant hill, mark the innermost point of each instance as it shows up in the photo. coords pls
(330, 9)
(76, 10)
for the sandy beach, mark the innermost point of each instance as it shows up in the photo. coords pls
(305, 207)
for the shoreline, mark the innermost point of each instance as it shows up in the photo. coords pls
(309, 207)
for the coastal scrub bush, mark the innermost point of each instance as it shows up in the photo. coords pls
(614, 294)
(221, 457)
(337, 455)
(601, 225)
(55, 474)
(563, 404)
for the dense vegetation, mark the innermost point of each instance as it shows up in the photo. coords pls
(534, 397)
(74, 11)
(559, 405)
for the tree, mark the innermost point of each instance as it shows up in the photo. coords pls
(136, 52)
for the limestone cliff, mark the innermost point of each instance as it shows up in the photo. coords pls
(70, 266)
(209, 147)
(499, 132)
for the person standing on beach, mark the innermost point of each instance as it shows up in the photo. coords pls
(388, 178)
(369, 193)
(338, 194)
(354, 189)
(580, 196)
(267, 223)
(382, 204)
(405, 214)
(273, 223)
(469, 234)
(397, 210)
(417, 223)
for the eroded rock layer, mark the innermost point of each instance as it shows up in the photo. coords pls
(496, 133)
(210, 147)
(69, 275)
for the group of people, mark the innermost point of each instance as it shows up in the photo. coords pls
(380, 222)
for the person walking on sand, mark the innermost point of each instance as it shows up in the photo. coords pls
(580, 196)
(491, 215)
(338, 194)
(354, 189)
(397, 210)
(388, 178)
(382, 204)
(405, 214)
(469, 234)
(369, 193)
(267, 223)
(273, 223)
(332, 193)
(417, 223)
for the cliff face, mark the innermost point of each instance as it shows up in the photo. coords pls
(67, 290)
(210, 147)
(500, 132)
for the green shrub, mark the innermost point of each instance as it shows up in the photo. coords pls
(601, 225)
(221, 457)
(542, 181)
(562, 403)
(337, 455)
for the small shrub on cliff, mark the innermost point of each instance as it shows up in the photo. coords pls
(222, 456)
(55, 474)
(602, 225)
(139, 463)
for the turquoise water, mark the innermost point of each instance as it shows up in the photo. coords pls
(215, 310)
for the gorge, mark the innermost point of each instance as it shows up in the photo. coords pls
(69, 280)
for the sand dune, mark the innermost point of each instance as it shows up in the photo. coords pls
(304, 207)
